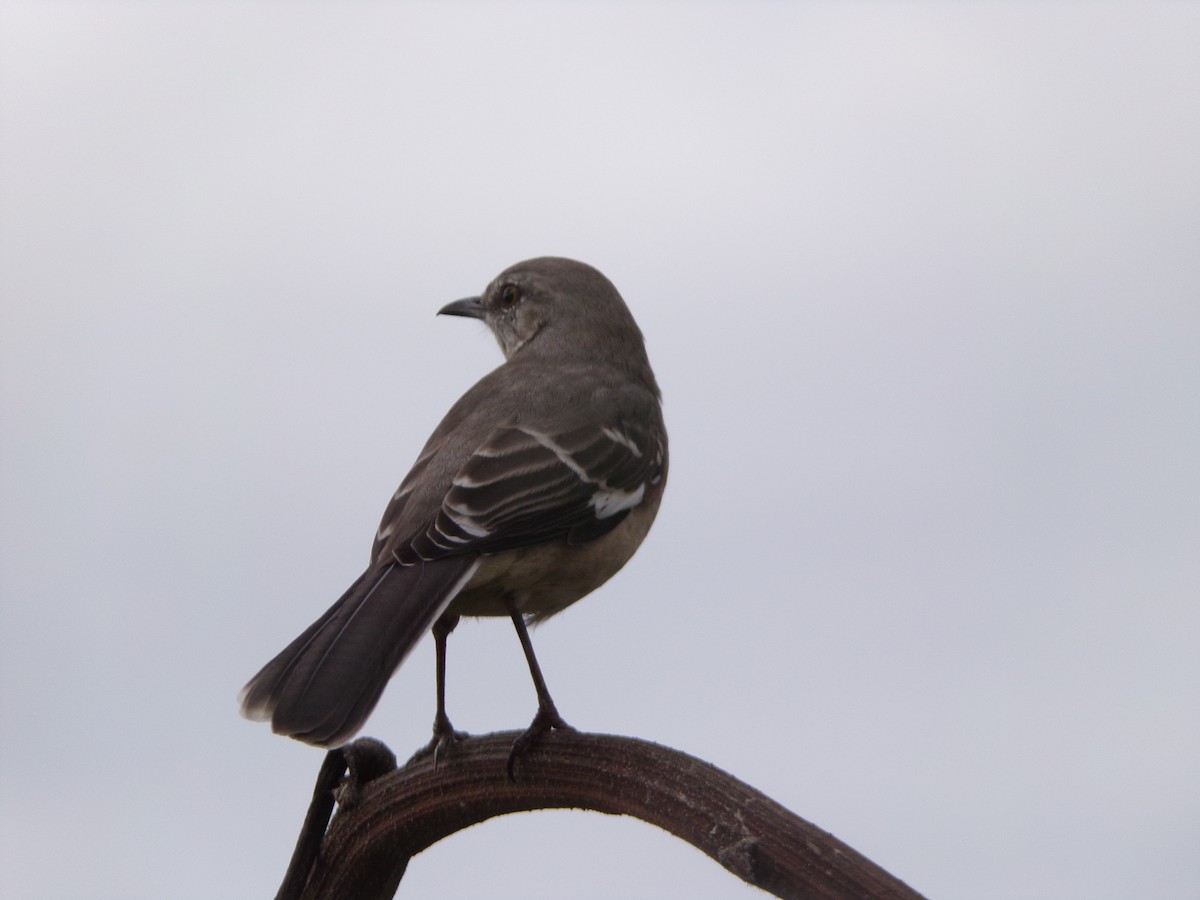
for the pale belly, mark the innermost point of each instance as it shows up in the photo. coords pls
(544, 579)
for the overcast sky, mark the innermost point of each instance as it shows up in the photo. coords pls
(921, 284)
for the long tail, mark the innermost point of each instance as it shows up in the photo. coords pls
(325, 683)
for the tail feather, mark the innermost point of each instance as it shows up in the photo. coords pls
(325, 683)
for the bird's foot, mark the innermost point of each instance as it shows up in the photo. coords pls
(546, 720)
(444, 738)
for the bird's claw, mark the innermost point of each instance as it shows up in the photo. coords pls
(546, 720)
(444, 738)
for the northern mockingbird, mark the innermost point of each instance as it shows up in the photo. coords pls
(535, 489)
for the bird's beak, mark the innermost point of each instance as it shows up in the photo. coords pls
(471, 307)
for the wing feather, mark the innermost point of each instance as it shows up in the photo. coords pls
(522, 486)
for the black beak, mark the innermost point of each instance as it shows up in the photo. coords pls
(471, 307)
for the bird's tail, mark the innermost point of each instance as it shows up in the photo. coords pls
(325, 683)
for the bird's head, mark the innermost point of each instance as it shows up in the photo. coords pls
(555, 305)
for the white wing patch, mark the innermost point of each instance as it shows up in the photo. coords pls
(606, 501)
(522, 486)
(610, 502)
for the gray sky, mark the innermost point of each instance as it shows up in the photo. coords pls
(921, 283)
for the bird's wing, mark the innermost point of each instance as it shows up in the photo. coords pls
(523, 486)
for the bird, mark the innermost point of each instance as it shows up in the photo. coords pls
(538, 485)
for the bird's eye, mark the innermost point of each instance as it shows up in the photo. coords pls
(510, 296)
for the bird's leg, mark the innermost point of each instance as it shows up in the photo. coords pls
(443, 732)
(547, 717)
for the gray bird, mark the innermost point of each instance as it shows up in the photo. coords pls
(535, 489)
